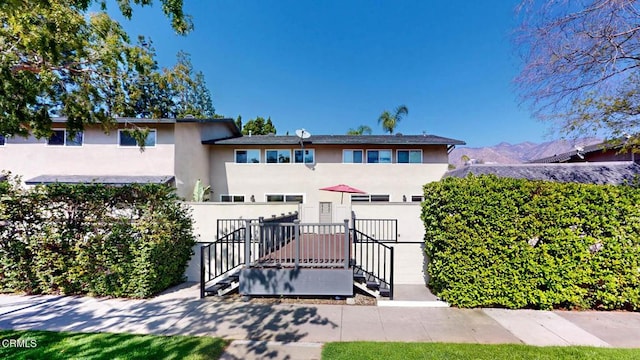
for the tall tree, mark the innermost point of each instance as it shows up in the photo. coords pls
(259, 126)
(581, 64)
(360, 130)
(189, 91)
(389, 120)
(239, 122)
(54, 58)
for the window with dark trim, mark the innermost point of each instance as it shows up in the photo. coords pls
(125, 139)
(290, 198)
(63, 138)
(251, 156)
(231, 198)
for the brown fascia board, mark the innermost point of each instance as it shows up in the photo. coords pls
(230, 123)
(338, 140)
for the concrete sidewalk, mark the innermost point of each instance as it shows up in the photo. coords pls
(277, 331)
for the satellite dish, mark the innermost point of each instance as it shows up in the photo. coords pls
(303, 134)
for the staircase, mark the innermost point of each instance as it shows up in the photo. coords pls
(371, 260)
(370, 284)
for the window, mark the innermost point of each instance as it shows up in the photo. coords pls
(409, 156)
(247, 156)
(231, 198)
(125, 139)
(352, 156)
(416, 198)
(63, 138)
(379, 156)
(292, 198)
(278, 156)
(369, 198)
(306, 156)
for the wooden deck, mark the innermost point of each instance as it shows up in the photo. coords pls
(315, 250)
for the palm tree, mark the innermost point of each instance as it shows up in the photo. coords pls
(390, 121)
(360, 130)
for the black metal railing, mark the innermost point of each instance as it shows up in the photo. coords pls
(374, 258)
(239, 242)
(385, 230)
(221, 257)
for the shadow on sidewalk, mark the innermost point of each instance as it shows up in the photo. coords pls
(169, 314)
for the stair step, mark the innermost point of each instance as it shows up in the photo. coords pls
(373, 285)
(384, 290)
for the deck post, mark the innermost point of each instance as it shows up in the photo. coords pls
(346, 244)
(296, 229)
(247, 243)
(202, 285)
(391, 276)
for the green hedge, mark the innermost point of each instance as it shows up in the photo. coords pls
(532, 244)
(130, 241)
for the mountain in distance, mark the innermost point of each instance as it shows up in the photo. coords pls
(505, 153)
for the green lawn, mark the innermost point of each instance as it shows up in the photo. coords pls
(61, 345)
(409, 351)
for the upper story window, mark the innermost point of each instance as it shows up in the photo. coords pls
(278, 156)
(304, 156)
(125, 139)
(352, 156)
(63, 138)
(409, 156)
(378, 156)
(248, 156)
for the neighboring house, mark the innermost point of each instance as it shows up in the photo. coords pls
(269, 168)
(173, 153)
(614, 172)
(606, 151)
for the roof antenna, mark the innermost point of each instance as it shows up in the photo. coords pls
(302, 134)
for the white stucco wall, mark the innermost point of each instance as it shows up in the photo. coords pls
(191, 159)
(409, 258)
(99, 155)
(260, 179)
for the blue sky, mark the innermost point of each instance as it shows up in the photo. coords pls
(331, 65)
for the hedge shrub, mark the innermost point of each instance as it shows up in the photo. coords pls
(129, 241)
(532, 244)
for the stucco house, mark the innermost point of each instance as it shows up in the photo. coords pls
(264, 168)
(173, 153)
(254, 176)
(269, 168)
